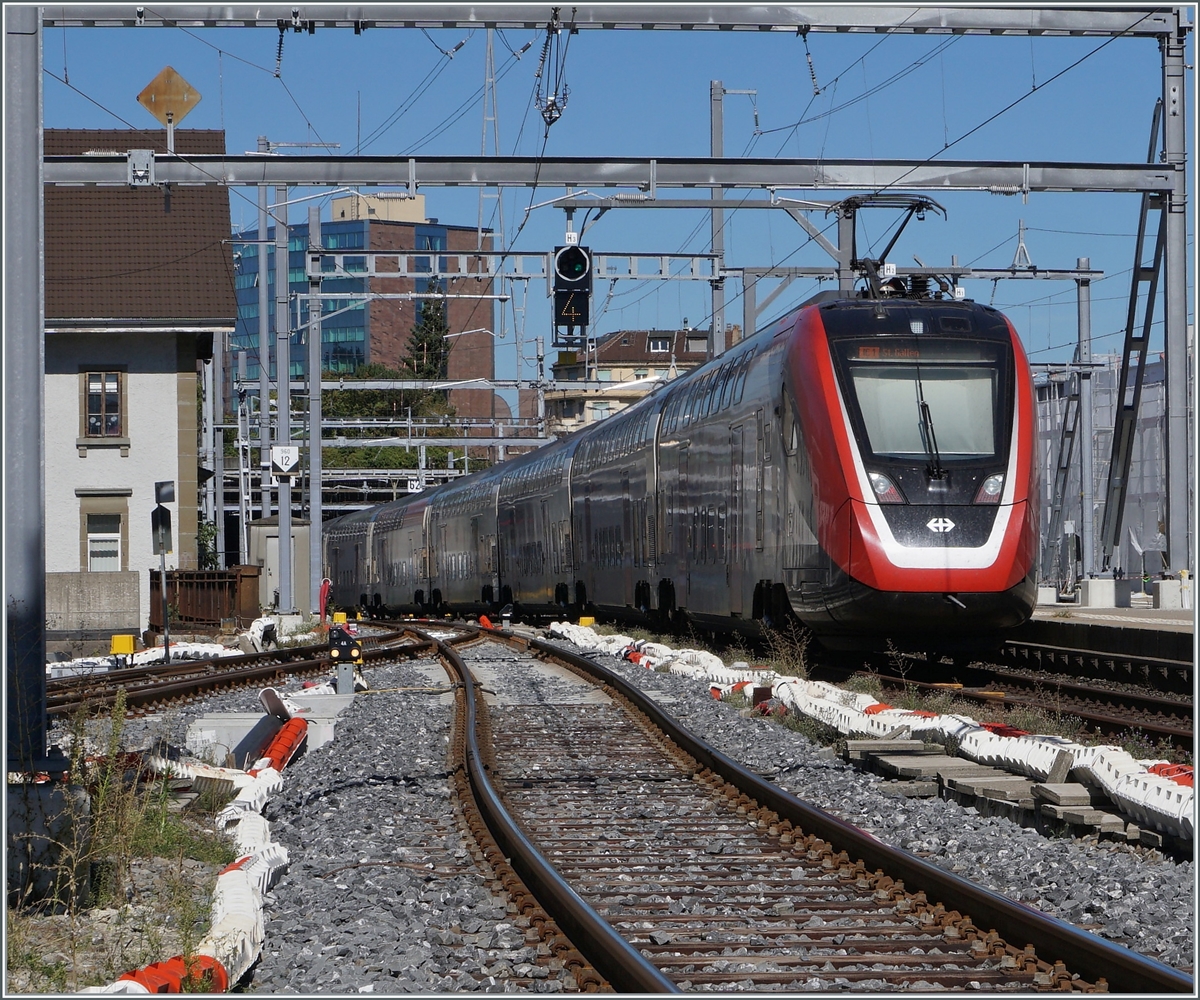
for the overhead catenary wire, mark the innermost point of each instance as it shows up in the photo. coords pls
(1008, 107)
(457, 114)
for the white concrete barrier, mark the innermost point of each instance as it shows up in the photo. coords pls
(1152, 799)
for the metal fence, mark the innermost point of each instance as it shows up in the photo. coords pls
(206, 599)
(1146, 502)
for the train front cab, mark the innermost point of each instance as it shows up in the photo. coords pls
(918, 428)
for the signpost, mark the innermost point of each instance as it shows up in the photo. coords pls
(285, 463)
(170, 98)
(160, 528)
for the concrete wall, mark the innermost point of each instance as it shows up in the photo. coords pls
(94, 602)
(159, 444)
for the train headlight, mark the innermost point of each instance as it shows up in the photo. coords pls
(990, 489)
(885, 489)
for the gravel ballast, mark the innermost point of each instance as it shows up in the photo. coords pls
(383, 895)
(1126, 894)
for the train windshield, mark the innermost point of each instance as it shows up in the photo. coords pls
(933, 399)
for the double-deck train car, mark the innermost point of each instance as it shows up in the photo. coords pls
(864, 465)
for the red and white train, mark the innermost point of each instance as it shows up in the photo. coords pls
(865, 465)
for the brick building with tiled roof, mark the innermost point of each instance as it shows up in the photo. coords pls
(627, 364)
(139, 284)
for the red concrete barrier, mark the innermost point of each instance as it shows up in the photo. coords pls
(170, 976)
(287, 741)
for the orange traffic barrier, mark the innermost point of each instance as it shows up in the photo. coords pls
(235, 866)
(879, 706)
(485, 622)
(1003, 729)
(169, 976)
(1182, 774)
(287, 741)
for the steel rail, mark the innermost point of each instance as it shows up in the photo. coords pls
(1103, 721)
(1132, 699)
(611, 955)
(248, 669)
(1124, 970)
(1017, 649)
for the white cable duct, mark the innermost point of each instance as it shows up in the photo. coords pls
(120, 986)
(237, 930)
(251, 797)
(237, 933)
(204, 775)
(1151, 799)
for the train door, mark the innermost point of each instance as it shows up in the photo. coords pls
(441, 565)
(627, 546)
(733, 548)
(506, 529)
(587, 562)
(760, 467)
(684, 521)
(478, 570)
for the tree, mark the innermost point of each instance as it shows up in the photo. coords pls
(428, 360)
(428, 352)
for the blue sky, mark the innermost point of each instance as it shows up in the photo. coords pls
(642, 93)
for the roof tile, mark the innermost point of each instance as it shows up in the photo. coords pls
(138, 254)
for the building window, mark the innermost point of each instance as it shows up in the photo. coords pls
(660, 345)
(604, 375)
(104, 543)
(697, 345)
(600, 411)
(103, 404)
(352, 240)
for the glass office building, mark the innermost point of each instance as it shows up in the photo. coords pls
(347, 339)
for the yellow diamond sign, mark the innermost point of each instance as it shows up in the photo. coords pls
(169, 97)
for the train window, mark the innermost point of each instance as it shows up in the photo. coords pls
(740, 382)
(711, 393)
(677, 412)
(791, 428)
(702, 397)
(727, 385)
(959, 403)
(909, 394)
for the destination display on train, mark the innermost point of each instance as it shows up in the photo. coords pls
(931, 351)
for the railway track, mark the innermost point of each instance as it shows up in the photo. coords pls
(1100, 709)
(1112, 693)
(1161, 674)
(157, 685)
(669, 865)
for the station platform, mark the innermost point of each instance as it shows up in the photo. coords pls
(1135, 631)
(1172, 621)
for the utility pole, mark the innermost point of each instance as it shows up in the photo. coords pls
(315, 568)
(716, 342)
(283, 379)
(24, 406)
(716, 96)
(1086, 446)
(264, 347)
(245, 507)
(1175, 318)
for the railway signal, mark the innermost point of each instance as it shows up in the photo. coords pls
(572, 287)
